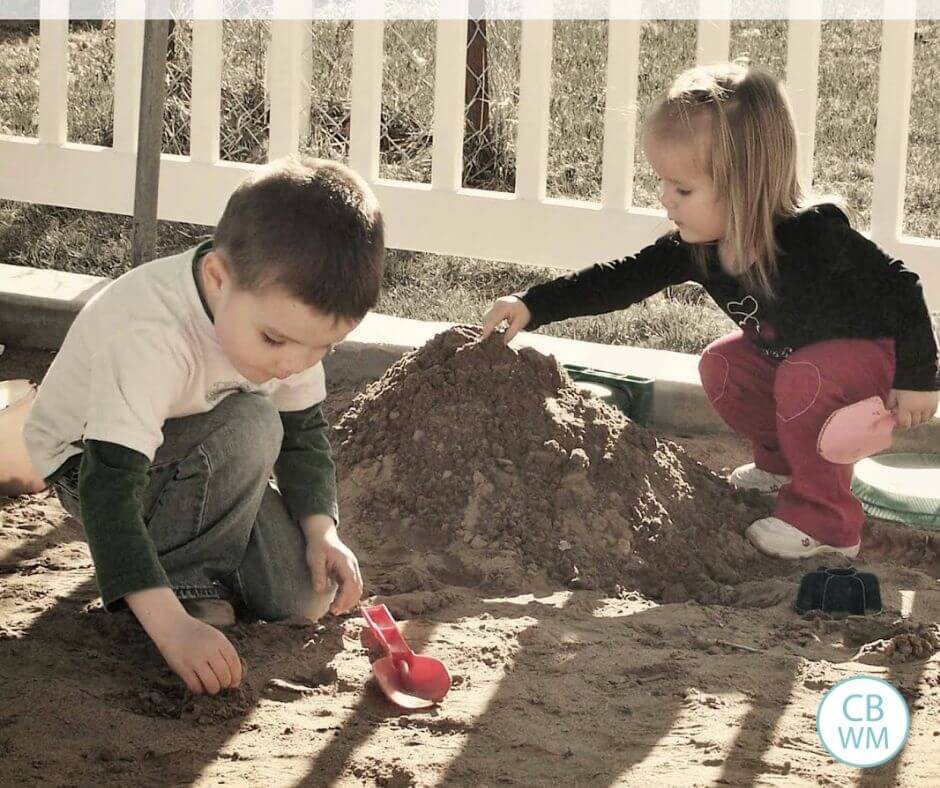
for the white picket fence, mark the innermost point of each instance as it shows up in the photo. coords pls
(441, 217)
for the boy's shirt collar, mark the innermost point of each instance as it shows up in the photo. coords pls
(204, 248)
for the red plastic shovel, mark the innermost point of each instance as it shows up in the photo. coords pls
(856, 431)
(409, 680)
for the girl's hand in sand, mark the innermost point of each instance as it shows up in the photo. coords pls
(198, 653)
(513, 311)
(328, 557)
(912, 407)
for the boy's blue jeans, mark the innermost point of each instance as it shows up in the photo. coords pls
(219, 526)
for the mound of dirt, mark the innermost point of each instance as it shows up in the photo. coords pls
(470, 463)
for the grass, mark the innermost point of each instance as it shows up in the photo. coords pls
(457, 289)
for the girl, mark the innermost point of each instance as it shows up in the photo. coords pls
(826, 318)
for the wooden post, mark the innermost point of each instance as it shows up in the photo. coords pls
(477, 88)
(149, 133)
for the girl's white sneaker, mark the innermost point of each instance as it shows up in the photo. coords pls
(777, 538)
(750, 477)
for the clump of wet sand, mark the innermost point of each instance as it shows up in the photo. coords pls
(470, 463)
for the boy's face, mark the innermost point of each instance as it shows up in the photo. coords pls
(267, 333)
(688, 193)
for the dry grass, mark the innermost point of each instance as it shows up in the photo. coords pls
(439, 288)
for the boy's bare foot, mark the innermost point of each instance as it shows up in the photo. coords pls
(215, 612)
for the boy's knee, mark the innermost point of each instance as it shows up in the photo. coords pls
(288, 602)
(316, 605)
(254, 423)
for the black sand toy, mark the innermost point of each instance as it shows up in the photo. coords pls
(845, 591)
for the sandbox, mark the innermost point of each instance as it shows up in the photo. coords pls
(585, 580)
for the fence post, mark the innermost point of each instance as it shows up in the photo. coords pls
(620, 112)
(713, 42)
(535, 80)
(288, 76)
(895, 81)
(803, 41)
(150, 128)
(205, 126)
(366, 110)
(128, 67)
(53, 73)
(449, 67)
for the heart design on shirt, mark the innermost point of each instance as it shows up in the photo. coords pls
(745, 310)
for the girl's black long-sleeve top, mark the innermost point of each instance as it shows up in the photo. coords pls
(831, 283)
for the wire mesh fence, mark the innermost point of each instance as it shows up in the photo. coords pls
(405, 136)
(492, 104)
(405, 133)
(330, 89)
(91, 82)
(177, 101)
(246, 104)
(406, 127)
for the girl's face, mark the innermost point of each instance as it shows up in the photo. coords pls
(688, 192)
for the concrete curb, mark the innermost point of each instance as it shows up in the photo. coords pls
(38, 306)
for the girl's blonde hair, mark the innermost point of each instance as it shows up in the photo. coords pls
(739, 120)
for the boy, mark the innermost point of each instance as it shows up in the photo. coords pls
(184, 384)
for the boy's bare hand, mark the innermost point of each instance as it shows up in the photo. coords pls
(329, 557)
(199, 654)
(513, 311)
(912, 407)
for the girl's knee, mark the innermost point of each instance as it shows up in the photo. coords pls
(714, 370)
(798, 386)
(731, 366)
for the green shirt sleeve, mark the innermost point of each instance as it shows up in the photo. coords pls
(111, 483)
(306, 475)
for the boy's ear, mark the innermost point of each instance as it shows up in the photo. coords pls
(215, 271)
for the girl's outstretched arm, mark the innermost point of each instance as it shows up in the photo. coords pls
(606, 287)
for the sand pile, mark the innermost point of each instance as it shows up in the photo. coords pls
(470, 463)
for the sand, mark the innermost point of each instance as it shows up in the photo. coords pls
(585, 580)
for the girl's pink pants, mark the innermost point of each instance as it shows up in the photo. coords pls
(781, 406)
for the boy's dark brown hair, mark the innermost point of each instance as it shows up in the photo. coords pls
(310, 226)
